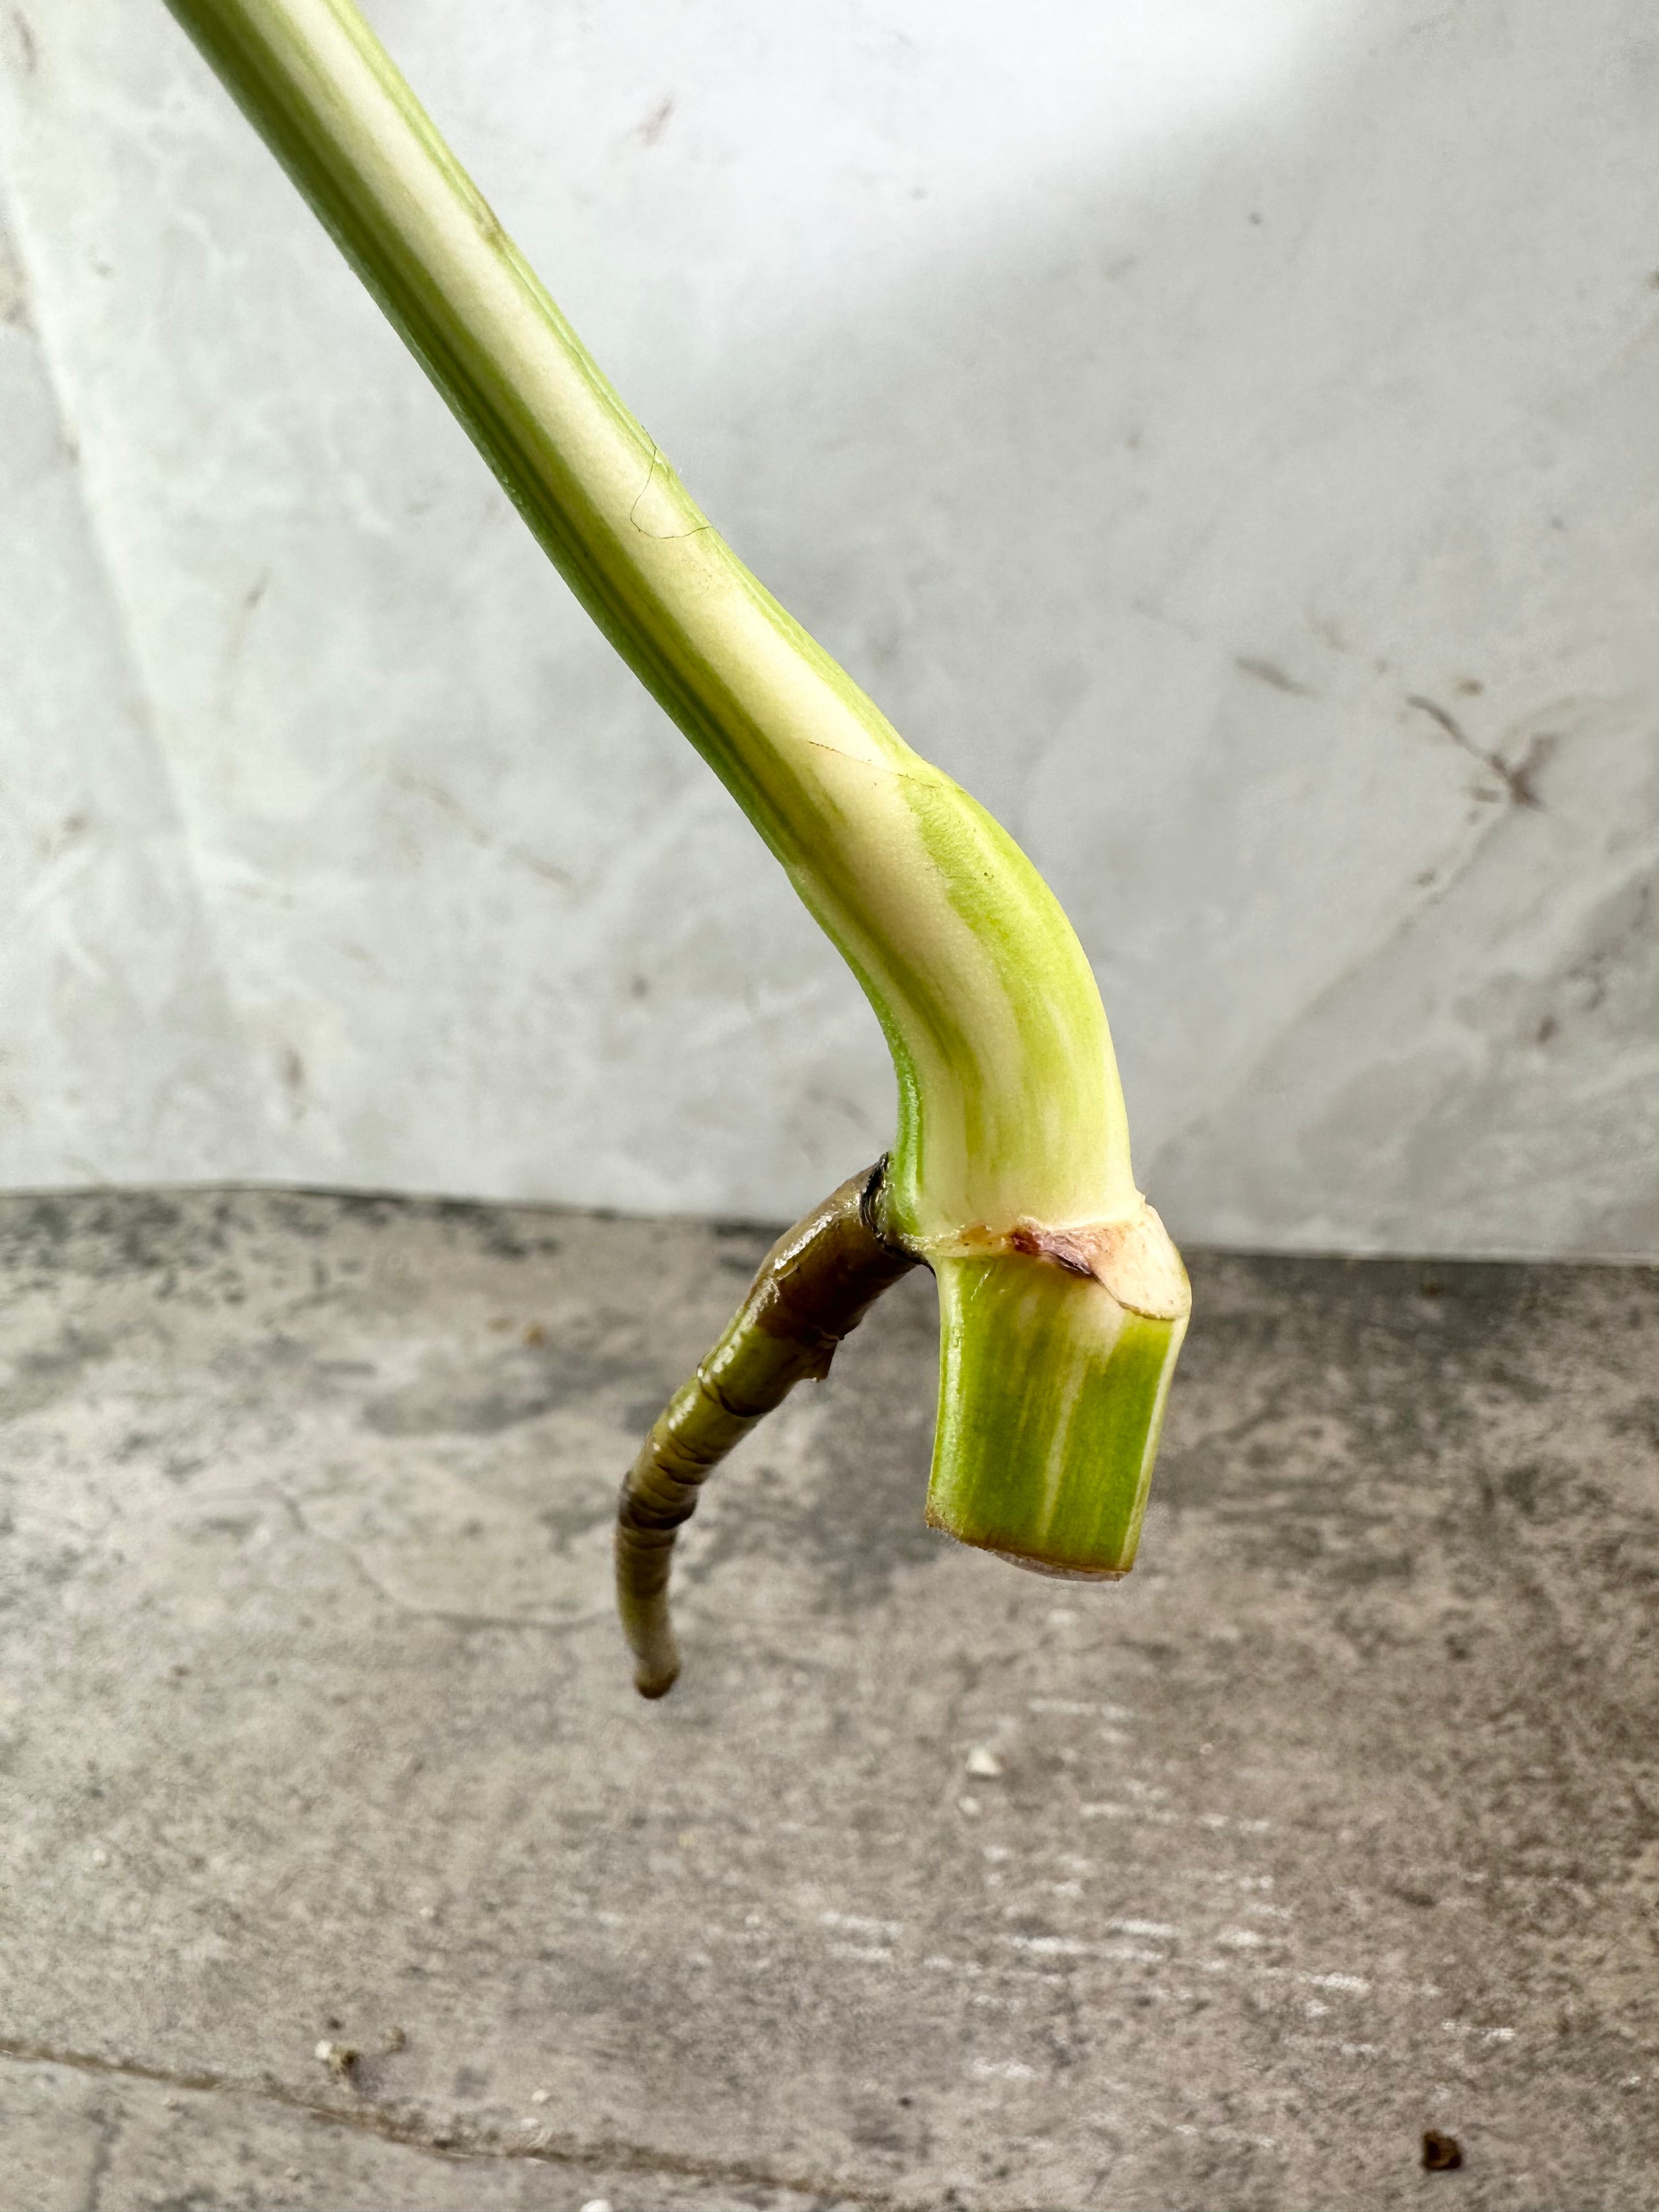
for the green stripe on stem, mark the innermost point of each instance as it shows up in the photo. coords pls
(1051, 1400)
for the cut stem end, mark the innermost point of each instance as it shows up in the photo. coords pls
(1064, 1574)
(1052, 1391)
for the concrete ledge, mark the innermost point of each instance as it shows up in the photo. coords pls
(933, 1884)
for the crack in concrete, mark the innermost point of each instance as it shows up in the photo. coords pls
(455, 2140)
(478, 834)
(1516, 780)
(1368, 954)
(109, 2128)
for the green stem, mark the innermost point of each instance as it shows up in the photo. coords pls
(1012, 1152)
(1051, 1402)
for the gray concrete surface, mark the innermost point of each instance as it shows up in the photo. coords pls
(1339, 1820)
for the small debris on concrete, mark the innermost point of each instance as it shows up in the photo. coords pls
(535, 1334)
(970, 1806)
(395, 2040)
(539, 2096)
(983, 1761)
(596, 2204)
(341, 2059)
(1442, 2153)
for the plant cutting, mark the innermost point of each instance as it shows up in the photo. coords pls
(1062, 1301)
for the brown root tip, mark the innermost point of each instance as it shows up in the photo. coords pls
(655, 1686)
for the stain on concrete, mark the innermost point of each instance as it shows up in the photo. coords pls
(43, 1374)
(456, 1395)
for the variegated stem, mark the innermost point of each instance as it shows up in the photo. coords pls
(1009, 1099)
(814, 1286)
(1010, 1174)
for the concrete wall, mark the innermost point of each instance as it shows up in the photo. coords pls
(1220, 432)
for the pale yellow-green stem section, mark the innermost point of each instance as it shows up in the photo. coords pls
(1010, 1100)
(1011, 1121)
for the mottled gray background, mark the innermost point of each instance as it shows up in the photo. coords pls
(933, 1888)
(1221, 433)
